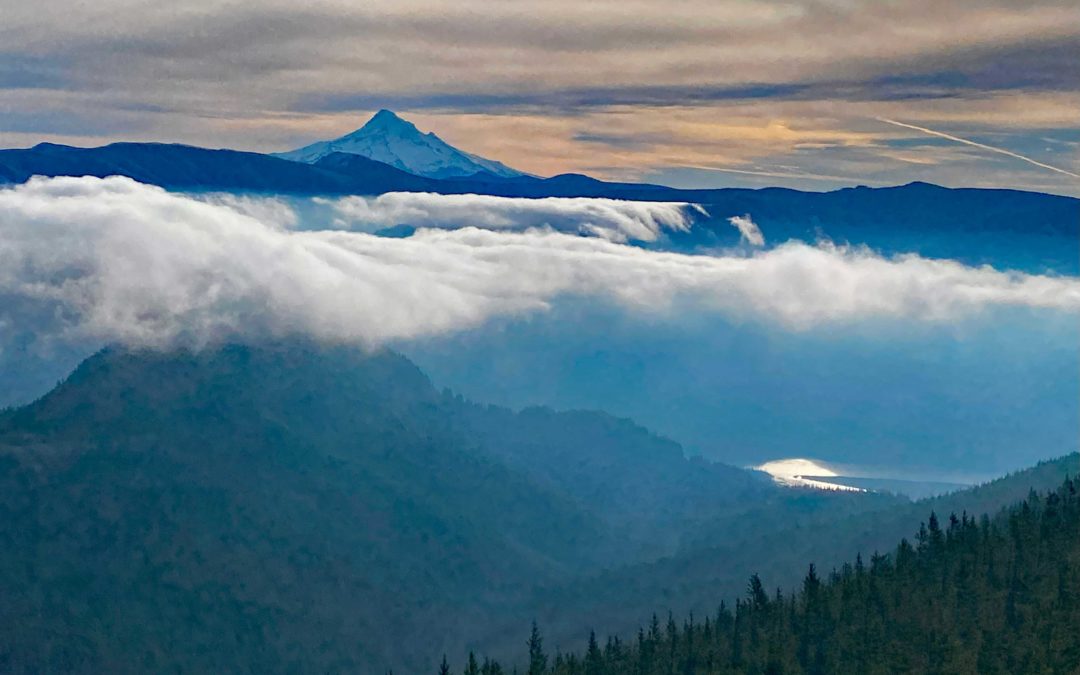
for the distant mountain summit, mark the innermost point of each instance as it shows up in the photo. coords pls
(389, 139)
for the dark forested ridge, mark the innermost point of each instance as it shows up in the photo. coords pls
(296, 507)
(293, 507)
(967, 595)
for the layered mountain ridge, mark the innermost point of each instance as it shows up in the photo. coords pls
(1004, 228)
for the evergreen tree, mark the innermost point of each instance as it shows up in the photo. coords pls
(594, 659)
(755, 592)
(537, 658)
(471, 667)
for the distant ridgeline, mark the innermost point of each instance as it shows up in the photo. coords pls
(973, 595)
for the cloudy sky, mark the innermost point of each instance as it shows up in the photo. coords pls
(684, 92)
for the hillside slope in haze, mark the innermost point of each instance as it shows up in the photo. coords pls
(775, 542)
(294, 507)
(638, 484)
(968, 595)
(964, 402)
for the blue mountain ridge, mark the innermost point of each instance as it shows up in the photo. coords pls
(1009, 229)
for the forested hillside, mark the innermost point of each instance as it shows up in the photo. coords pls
(293, 507)
(967, 595)
(775, 538)
(298, 507)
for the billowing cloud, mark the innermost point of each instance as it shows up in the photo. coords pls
(112, 259)
(749, 232)
(271, 211)
(612, 219)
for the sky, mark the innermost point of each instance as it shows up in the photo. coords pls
(813, 94)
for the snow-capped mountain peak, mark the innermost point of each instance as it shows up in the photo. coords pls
(392, 140)
(385, 122)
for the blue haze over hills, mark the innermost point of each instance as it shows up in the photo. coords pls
(889, 399)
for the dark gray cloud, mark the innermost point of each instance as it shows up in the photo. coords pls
(516, 53)
(1040, 65)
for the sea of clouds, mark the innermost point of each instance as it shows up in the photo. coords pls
(114, 260)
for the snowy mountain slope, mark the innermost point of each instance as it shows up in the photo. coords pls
(389, 139)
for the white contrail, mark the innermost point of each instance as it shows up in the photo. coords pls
(957, 139)
(783, 174)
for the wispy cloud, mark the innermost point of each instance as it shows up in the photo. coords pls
(749, 232)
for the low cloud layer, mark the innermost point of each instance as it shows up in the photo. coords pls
(612, 219)
(112, 259)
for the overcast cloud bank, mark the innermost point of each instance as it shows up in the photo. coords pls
(115, 260)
